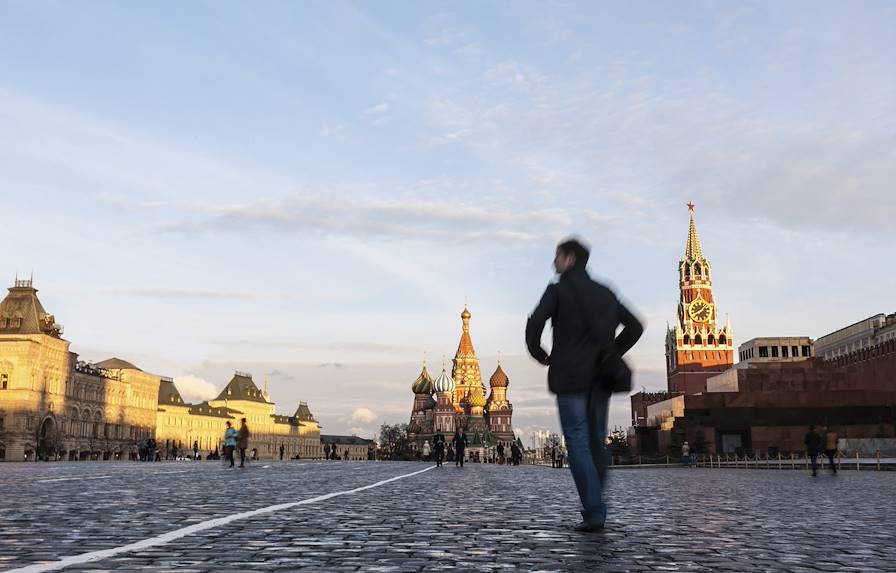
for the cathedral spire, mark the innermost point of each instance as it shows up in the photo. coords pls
(693, 250)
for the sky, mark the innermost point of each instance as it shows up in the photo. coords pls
(311, 192)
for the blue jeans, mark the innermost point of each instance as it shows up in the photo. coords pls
(583, 418)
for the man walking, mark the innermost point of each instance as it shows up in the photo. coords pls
(242, 442)
(460, 444)
(830, 447)
(813, 446)
(584, 315)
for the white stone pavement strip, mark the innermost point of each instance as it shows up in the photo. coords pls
(196, 528)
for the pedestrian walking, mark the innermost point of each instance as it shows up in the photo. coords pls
(282, 450)
(585, 367)
(425, 450)
(561, 456)
(195, 450)
(555, 450)
(686, 454)
(813, 447)
(242, 441)
(830, 447)
(230, 437)
(500, 450)
(326, 451)
(460, 444)
(439, 449)
(345, 459)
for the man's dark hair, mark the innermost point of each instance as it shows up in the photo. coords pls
(574, 247)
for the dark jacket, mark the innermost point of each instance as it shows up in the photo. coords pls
(584, 316)
(459, 441)
(813, 442)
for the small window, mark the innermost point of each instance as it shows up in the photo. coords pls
(723, 339)
(763, 352)
(806, 352)
(794, 351)
(698, 340)
(784, 351)
(687, 339)
(774, 351)
(4, 381)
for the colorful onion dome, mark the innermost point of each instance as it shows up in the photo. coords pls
(423, 383)
(499, 378)
(444, 383)
(476, 399)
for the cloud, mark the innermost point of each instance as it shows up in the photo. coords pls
(398, 218)
(378, 109)
(363, 415)
(194, 389)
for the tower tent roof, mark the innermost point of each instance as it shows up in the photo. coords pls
(241, 387)
(303, 413)
(693, 250)
(465, 347)
(22, 313)
(168, 393)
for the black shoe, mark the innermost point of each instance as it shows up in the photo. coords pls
(585, 527)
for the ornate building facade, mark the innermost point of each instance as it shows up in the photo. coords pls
(53, 405)
(458, 400)
(698, 346)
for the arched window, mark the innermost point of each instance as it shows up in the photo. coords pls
(697, 269)
(711, 340)
(687, 338)
(687, 271)
(698, 340)
(722, 339)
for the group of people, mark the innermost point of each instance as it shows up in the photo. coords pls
(233, 440)
(814, 442)
(558, 455)
(456, 451)
(331, 453)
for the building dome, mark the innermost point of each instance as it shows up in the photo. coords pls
(443, 384)
(465, 314)
(499, 378)
(476, 399)
(423, 383)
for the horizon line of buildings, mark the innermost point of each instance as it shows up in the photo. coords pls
(55, 406)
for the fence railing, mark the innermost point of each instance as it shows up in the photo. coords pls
(779, 461)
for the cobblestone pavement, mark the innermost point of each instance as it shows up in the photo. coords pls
(479, 518)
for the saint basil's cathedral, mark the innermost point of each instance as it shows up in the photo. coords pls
(458, 400)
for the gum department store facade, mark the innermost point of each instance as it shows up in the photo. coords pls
(54, 405)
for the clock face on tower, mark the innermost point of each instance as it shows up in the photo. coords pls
(700, 310)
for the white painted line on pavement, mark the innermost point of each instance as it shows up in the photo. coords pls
(72, 478)
(195, 528)
(106, 476)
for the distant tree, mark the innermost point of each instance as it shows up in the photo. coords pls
(394, 444)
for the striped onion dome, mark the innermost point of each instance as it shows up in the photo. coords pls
(423, 383)
(444, 383)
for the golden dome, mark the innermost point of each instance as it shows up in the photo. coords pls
(476, 399)
(465, 314)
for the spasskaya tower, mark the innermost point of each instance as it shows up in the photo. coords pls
(697, 347)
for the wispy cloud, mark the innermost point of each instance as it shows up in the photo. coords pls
(344, 214)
